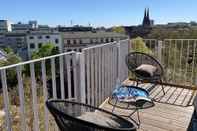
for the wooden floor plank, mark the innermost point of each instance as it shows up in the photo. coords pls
(181, 97)
(188, 97)
(166, 116)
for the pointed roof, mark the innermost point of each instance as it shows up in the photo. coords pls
(147, 15)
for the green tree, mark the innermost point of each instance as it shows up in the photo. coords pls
(10, 59)
(139, 45)
(47, 49)
(8, 50)
(119, 29)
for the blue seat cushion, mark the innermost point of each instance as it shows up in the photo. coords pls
(123, 92)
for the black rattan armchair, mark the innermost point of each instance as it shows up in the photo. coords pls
(135, 59)
(69, 117)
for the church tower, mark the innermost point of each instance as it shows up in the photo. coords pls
(146, 21)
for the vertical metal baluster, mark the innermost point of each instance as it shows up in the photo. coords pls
(53, 78)
(6, 100)
(68, 75)
(87, 59)
(74, 66)
(181, 55)
(193, 62)
(82, 78)
(175, 49)
(62, 76)
(96, 76)
(92, 77)
(185, 78)
(99, 75)
(45, 93)
(34, 97)
(21, 97)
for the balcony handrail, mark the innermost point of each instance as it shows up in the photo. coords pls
(35, 60)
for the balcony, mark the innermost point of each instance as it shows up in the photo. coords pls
(90, 77)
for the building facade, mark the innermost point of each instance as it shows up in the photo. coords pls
(15, 41)
(5, 26)
(35, 40)
(76, 41)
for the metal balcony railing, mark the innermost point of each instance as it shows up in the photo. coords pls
(179, 59)
(88, 77)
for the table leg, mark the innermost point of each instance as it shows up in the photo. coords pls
(138, 117)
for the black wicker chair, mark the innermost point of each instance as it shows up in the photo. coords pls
(135, 59)
(68, 116)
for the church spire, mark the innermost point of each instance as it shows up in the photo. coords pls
(147, 15)
(146, 20)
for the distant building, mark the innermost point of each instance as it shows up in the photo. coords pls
(78, 40)
(15, 41)
(35, 40)
(75, 29)
(147, 22)
(44, 28)
(34, 24)
(30, 26)
(141, 30)
(5, 26)
(21, 27)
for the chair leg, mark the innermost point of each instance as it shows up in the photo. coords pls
(138, 122)
(138, 117)
(137, 83)
(114, 105)
(162, 87)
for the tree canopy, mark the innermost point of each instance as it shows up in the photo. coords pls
(118, 29)
(139, 46)
(47, 49)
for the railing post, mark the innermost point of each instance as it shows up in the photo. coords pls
(82, 77)
(6, 100)
(119, 63)
(160, 50)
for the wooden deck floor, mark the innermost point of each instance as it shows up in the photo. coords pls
(172, 111)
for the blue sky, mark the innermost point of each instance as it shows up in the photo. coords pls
(97, 12)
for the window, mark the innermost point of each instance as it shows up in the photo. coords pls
(39, 45)
(91, 41)
(31, 37)
(97, 40)
(112, 39)
(80, 42)
(68, 42)
(47, 37)
(106, 40)
(69, 50)
(19, 45)
(80, 49)
(102, 41)
(32, 45)
(39, 37)
(74, 42)
(56, 41)
(18, 39)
